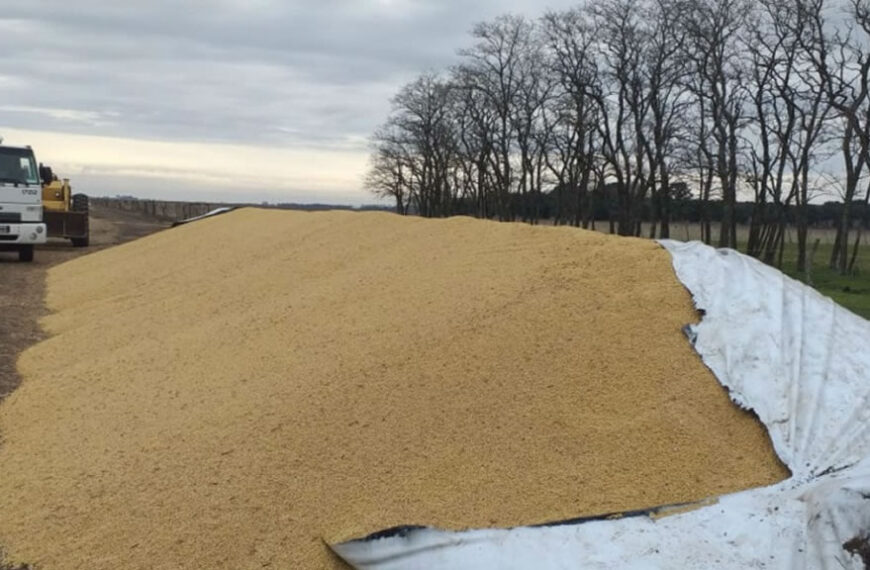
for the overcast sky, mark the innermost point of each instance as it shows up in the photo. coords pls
(222, 99)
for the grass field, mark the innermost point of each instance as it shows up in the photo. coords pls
(851, 291)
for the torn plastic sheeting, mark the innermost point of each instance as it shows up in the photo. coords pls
(793, 356)
(781, 349)
(762, 528)
(209, 214)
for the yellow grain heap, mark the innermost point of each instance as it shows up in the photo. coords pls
(231, 393)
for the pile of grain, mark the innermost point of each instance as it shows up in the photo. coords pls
(231, 393)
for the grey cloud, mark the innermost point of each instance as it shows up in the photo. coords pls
(170, 188)
(304, 73)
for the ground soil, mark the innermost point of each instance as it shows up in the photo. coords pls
(22, 285)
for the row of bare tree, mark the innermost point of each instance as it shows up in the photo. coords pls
(738, 98)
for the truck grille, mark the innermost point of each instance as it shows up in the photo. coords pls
(10, 217)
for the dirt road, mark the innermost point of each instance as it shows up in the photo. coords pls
(21, 284)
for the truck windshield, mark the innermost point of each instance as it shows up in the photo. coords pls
(18, 166)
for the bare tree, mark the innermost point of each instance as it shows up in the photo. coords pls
(603, 107)
(622, 105)
(772, 127)
(493, 67)
(389, 172)
(476, 130)
(814, 111)
(695, 151)
(843, 64)
(416, 148)
(789, 114)
(531, 129)
(572, 113)
(714, 30)
(664, 69)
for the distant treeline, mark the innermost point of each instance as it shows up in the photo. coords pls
(683, 209)
(607, 107)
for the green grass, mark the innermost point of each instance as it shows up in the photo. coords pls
(850, 291)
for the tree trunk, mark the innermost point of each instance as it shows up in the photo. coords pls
(841, 253)
(808, 268)
(654, 214)
(626, 219)
(855, 252)
(665, 210)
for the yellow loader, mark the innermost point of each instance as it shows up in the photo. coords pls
(65, 214)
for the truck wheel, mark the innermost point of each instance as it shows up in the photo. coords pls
(25, 253)
(80, 203)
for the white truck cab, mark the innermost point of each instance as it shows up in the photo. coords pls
(21, 225)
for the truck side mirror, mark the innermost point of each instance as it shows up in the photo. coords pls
(46, 174)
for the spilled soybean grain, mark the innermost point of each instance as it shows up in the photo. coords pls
(22, 284)
(22, 292)
(236, 391)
